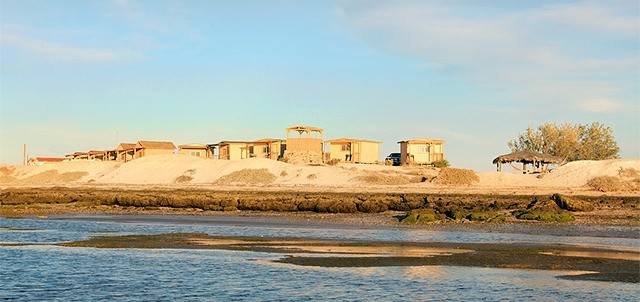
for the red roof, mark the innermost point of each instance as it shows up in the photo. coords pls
(50, 159)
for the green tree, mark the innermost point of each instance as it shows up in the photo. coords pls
(571, 142)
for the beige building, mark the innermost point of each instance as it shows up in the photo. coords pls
(125, 152)
(231, 150)
(421, 151)
(77, 156)
(354, 150)
(304, 144)
(197, 150)
(147, 148)
(267, 148)
(96, 155)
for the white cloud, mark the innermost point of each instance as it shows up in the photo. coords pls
(600, 105)
(557, 54)
(63, 52)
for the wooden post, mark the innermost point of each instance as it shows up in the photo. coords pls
(524, 168)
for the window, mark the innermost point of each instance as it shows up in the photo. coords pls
(265, 150)
(195, 153)
(423, 149)
(346, 147)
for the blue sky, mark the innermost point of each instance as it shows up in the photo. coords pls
(81, 75)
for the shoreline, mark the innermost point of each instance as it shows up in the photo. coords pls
(382, 208)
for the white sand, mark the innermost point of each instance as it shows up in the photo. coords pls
(166, 169)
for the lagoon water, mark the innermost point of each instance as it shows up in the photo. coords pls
(41, 271)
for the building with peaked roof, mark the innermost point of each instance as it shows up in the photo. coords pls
(354, 150)
(125, 152)
(97, 155)
(421, 151)
(39, 161)
(77, 156)
(197, 150)
(147, 148)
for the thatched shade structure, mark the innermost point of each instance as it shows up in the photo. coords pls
(526, 157)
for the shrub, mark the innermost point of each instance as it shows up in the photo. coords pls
(333, 161)
(441, 163)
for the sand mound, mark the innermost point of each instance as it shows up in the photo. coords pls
(575, 174)
(456, 177)
(180, 170)
(247, 177)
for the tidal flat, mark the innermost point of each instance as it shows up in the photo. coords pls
(575, 262)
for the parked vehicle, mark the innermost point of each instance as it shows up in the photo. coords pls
(393, 158)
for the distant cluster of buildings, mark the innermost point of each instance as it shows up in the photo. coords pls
(302, 144)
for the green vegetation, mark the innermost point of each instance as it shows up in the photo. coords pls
(422, 216)
(441, 163)
(562, 216)
(571, 142)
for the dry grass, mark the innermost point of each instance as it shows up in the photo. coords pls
(609, 184)
(456, 177)
(247, 177)
(52, 176)
(386, 179)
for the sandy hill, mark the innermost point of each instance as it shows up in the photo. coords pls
(181, 170)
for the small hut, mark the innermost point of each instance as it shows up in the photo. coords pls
(538, 161)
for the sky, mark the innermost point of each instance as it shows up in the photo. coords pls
(87, 75)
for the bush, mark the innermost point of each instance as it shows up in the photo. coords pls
(333, 162)
(441, 163)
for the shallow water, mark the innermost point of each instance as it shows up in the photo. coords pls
(45, 272)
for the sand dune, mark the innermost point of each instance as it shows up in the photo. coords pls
(181, 170)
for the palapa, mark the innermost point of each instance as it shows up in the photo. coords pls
(527, 157)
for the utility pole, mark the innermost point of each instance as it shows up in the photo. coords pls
(24, 154)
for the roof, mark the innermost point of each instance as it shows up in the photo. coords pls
(527, 157)
(423, 141)
(268, 140)
(94, 152)
(50, 159)
(229, 143)
(193, 146)
(349, 140)
(304, 128)
(126, 146)
(155, 145)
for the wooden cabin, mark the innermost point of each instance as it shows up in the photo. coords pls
(354, 150)
(421, 151)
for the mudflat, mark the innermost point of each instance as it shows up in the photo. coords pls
(576, 262)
